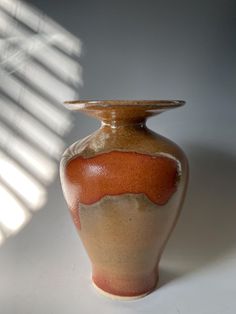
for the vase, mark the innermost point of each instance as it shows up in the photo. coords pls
(124, 186)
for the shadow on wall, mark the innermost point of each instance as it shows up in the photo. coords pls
(39, 69)
(206, 230)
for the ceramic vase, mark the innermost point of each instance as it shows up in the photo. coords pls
(124, 186)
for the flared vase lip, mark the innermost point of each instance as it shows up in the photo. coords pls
(85, 104)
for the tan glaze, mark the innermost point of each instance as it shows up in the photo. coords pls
(124, 185)
(125, 251)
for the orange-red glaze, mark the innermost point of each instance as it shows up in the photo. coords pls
(126, 287)
(117, 173)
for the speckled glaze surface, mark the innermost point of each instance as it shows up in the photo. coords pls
(124, 186)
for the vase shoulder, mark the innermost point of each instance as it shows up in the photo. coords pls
(129, 139)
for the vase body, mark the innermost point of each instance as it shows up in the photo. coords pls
(124, 186)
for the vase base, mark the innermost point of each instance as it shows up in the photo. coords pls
(120, 297)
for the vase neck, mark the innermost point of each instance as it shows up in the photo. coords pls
(121, 117)
(124, 123)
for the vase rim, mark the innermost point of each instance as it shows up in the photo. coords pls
(85, 104)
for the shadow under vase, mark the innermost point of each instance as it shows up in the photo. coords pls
(206, 230)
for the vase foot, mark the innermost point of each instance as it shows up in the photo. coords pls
(120, 297)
